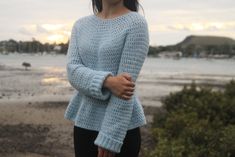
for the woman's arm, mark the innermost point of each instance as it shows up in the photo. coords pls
(82, 78)
(119, 111)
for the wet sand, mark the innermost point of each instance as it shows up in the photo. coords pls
(39, 129)
(32, 120)
(32, 105)
(28, 129)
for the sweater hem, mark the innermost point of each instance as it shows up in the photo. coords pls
(107, 142)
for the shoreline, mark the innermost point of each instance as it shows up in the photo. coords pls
(33, 102)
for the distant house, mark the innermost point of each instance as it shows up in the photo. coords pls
(203, 54)
(57, 48)
(219, 56)
(170, 54)
(3, 47)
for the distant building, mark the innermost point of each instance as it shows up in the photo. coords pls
(203, 54)
(3, 47)
(57, 48)
(219, 56)
(170, 54)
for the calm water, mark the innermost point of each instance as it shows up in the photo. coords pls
(164, 66)
(156, 66)
(158, 77)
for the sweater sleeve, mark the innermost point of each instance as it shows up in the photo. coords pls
(82, 78)
(119, 111)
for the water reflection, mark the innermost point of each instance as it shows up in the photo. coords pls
(55, 76)
(53, 69)
(52, 80)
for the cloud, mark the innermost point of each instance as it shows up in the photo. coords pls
(169, 21)
(47, 32)
(54, 27)
(41, 29)
(24, 31)
(200, 26)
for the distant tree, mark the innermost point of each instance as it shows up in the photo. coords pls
(64, 48)
(26, 65)
(189, 50)
(153, 51)
(33, 46)
(226, 49)
(12, 45)
(210, 49)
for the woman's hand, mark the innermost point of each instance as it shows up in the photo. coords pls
(121, 85)
(105, 153)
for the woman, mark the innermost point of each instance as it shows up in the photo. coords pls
(106, 52)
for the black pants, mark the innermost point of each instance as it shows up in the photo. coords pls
(84, 143)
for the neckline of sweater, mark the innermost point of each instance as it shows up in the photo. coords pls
(114, 18)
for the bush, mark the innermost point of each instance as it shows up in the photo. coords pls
(198, 122)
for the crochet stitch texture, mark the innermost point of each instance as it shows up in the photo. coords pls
(98, 48)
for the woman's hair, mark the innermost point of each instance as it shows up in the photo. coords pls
(132, 5)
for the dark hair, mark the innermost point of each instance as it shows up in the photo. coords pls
(132, 5)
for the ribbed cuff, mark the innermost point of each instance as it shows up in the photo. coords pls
(96, 86)
(106, 142)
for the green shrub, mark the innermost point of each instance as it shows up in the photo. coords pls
(198, 122)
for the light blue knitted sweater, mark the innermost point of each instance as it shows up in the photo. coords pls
(98, 48)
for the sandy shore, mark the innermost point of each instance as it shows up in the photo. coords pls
(38, 129)
(32, 115)
(32, 105)
(34, 128)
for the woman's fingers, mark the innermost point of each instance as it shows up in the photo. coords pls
(126, 97)
(111, 154)
(124, 87)
(130, 84)
(126, 75)
(108, 154)
(129, 89)
(100, 152)
(105, 153)
(128, 79)
(128, 94)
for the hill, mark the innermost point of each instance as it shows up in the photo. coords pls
(198, 46)
(206, 40)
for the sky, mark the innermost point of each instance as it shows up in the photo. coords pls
(169, 21)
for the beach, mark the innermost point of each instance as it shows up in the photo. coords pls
(32, 115)
(33, 101)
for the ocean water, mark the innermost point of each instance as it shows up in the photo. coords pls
(37, 61)
(158, 76)
(222, 69)
(152, 66)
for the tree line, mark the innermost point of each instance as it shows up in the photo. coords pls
(194, 50)
(33, 46)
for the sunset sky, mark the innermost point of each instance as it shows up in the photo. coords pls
(170, 21)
